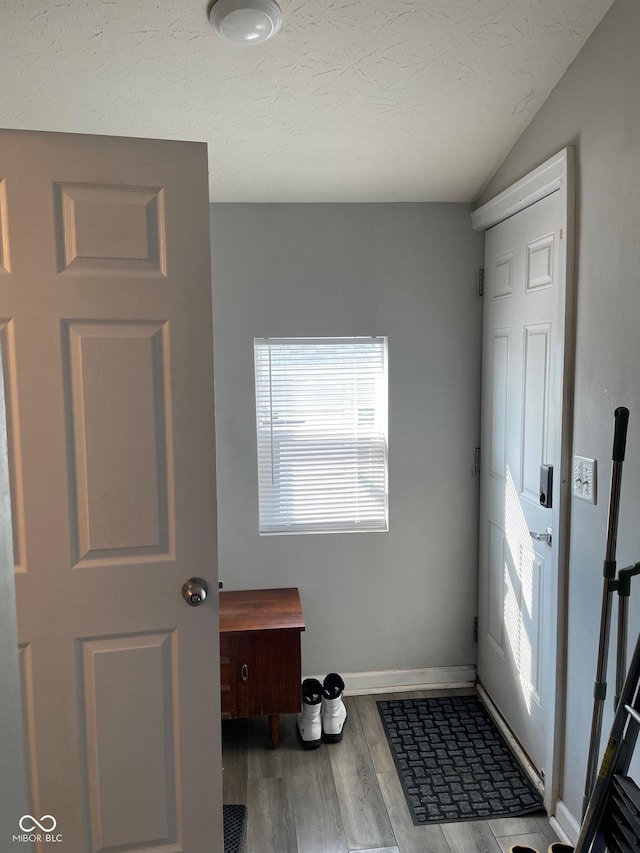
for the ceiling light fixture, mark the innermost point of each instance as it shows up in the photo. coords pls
(246, 21)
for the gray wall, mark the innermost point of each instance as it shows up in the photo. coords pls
(596, 107)
(398, 600)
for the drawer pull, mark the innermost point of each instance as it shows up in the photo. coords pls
(244, 672)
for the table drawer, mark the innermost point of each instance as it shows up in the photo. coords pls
(225, 645)
(225, 662)
(228, 704)
(227, 687)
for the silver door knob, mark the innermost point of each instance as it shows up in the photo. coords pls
(194, 591)
(542, 537)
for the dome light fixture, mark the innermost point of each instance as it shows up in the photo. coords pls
(246, 21)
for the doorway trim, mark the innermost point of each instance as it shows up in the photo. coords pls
(557, 174)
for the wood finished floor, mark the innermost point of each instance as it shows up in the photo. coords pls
(345, 797)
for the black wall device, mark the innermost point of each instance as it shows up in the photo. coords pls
(546, 485)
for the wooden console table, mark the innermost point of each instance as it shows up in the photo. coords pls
(260, 664)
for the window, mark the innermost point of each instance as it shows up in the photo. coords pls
(321, 411)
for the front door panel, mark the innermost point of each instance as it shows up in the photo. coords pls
(522, 389)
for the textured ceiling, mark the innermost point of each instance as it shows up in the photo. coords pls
(354, 100)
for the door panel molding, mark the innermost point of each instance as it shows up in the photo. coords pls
(495, 622)
(114, 230)
(133, 738)
(5, 262)
(119, 512)
(535, 406)
(14, 448)
(503, 283)
(500, 351)
(28, 711)
(540, 264)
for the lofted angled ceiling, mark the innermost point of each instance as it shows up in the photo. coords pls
(354, 100)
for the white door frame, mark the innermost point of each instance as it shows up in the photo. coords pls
(554, 175)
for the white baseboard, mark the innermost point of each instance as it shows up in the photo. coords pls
(567, 823)
(396, 680)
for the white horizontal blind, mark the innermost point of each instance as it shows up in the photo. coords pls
(321, 409)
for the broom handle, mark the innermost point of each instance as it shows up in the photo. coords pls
(611, 760)
(621, 420)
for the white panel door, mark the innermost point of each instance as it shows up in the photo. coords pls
(106, 334)
(522, 395)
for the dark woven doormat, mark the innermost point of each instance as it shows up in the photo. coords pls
(453, 763)
(234, 820)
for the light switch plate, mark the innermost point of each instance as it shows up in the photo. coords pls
(583, 479)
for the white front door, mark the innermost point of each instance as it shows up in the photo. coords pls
(522, 427)
(106, 332)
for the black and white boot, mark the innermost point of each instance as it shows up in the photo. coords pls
(309, 721)
(334, 712)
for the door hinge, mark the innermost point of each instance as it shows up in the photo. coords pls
(476, 460)
(475, 629)
(480, 282)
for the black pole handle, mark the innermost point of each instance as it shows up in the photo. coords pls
(621, 416)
